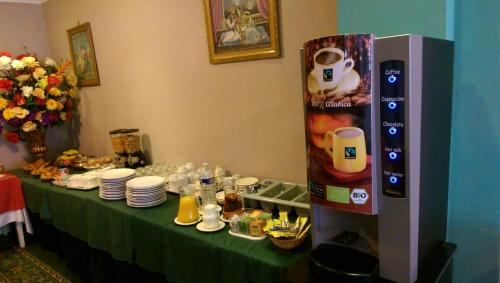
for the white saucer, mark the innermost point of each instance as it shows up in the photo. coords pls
(201, 227)
(186, 224)
(223, 219)
(349, 83)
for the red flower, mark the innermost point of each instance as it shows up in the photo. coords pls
(53, 80)
(5, 53)
(40, 101)
(53, 117)
(19, 99)
(6, 84)
(69, 115)
(12, 137)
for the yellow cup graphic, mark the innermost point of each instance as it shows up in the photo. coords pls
(348, 149)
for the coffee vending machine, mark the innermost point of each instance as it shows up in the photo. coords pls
(377, 118)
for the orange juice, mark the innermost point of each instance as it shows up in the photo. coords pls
(188, 209)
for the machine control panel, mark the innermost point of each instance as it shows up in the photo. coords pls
(392, 127)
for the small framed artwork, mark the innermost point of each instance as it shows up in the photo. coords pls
(82, 51)
(241, 30)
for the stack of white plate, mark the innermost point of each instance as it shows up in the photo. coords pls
(146, 191)
(112, 183)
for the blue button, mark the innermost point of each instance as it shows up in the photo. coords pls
(393, 155)
(392, 79)
(392, 105)
(393, 130)
(393, 179)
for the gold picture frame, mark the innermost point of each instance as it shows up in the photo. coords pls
(81, 46)
(242, 30)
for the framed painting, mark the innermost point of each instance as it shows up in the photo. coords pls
(82, 51)
(241, 30)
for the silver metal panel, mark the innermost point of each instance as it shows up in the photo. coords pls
(437, 81)
(398, 217)
(421, 217)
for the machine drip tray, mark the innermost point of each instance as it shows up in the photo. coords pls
(336, 263)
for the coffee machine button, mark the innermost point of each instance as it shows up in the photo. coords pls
(392, 105)
(393, 180)
(393, 155)
(393, 130)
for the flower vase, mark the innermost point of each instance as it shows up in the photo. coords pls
(36, 139)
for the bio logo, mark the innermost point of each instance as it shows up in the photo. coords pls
(359, 196)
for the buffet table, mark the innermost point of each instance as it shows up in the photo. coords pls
(149, 238)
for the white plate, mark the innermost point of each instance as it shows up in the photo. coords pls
(145, 182)
(116, 174)
(201, 227)
(186, 224)
(146, 192)
(83, 188)
(111, 198)
(248, 237)
(145, 200)
(223, 219)
(146, 204)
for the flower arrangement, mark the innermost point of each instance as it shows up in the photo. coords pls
(34, 95)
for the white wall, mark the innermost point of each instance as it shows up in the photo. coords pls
(155, 75)
(20, 25)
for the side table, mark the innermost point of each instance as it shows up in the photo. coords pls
(12, 206)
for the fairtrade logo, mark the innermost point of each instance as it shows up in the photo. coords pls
(327, 75)
(350, 153)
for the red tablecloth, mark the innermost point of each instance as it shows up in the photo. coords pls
(11, 193)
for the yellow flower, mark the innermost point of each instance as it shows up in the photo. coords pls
(71, 79)
(38, 92)
(38, 73)
(55, 91)
(38, 116)
(42, 83)
(29, 126)
(20, 112)
(8, 114)
(22, 78)
(63, 116)
(72, 92)
(3, 103)
(51, 104)
(29, 61)
(60, 106)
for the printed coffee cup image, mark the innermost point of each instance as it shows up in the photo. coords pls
(330, 66)
(348, 149)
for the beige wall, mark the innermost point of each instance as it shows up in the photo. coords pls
(155, 75)
(20, 25)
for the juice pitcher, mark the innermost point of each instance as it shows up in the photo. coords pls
(188, 205)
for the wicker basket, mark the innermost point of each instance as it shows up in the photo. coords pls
(287, 244)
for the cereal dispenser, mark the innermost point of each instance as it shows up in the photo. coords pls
(118, 147)
(377, 119)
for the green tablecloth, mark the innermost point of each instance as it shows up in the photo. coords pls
(149, 238)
